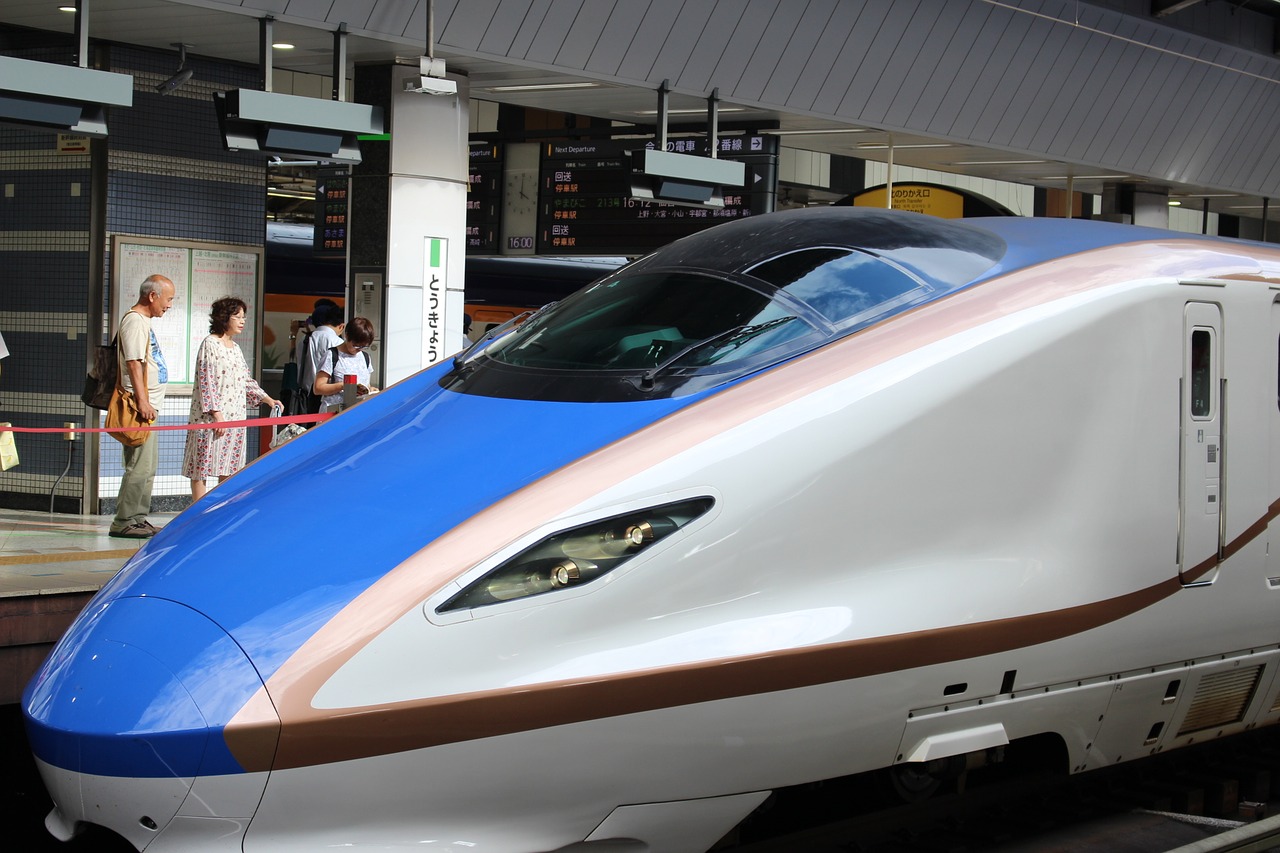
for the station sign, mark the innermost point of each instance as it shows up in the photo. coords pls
(931, 199)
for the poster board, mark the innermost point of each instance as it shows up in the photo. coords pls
(201, 273)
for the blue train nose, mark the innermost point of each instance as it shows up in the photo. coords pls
(127, 716)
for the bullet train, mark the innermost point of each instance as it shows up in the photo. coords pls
(800, 496)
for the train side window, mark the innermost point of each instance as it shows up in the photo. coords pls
(1201, 373)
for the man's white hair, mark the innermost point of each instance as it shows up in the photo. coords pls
(152, 284)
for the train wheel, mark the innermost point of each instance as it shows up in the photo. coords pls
(919, 780)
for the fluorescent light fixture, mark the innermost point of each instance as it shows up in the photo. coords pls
(542, 87)
(1208, 195)
(996, 162)
(1083, 177)
(282, 45)
(690, 111)
(875, 146)
(815, 132)
(1174, 203)
(66, 8)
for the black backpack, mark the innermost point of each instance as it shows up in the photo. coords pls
(367, 362)
(100, 382)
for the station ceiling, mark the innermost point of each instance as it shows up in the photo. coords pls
(225, 29)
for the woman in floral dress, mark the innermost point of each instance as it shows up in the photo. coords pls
(223, 392)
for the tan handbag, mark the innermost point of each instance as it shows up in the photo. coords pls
(123, 419)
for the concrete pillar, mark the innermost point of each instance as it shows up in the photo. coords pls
(1138, 204)
(408, 219)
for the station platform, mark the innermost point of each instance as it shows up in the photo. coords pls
(50, 566)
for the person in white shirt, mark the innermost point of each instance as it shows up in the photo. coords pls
(328, 334)
(143, 373)
(347, 359)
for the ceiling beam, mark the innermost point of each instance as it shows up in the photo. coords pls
(1164, 8)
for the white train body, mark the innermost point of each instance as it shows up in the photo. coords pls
(1038, 504)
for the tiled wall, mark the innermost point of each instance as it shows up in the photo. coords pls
(168, 177)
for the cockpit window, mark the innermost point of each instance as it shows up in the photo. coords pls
(654, 321)
(844, 286)
(654, 330)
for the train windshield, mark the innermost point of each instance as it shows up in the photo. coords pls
(661, 320)
(648, 332)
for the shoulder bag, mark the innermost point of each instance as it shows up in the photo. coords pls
(123, 419)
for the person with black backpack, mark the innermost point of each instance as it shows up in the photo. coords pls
(347, 359)
(327, 319)
(142, 371)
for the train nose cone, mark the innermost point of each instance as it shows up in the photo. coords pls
(128, 714)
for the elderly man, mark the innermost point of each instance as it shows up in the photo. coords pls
(143, 372)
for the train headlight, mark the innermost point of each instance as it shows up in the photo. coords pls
(577, 556)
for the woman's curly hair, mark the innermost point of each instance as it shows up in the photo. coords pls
(221, 311)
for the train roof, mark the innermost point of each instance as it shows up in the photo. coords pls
(946, 253)
(1030, 241)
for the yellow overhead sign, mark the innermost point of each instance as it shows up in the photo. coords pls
(916, 198)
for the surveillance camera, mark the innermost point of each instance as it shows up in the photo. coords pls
(431, 86)
(175, 81)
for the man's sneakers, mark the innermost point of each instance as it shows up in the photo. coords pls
(136, 530)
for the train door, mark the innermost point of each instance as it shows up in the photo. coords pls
(1199, 541)
(1273, 553)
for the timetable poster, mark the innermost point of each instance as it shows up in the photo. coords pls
(215, 274)
(201, 274)
(134, 263)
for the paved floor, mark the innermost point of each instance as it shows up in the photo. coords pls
(43, 553)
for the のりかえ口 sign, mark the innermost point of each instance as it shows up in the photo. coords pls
(935, 201)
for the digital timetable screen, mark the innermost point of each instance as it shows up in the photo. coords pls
(585, 205)
(332, 188)
(484, 198)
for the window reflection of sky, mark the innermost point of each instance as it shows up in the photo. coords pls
(951, 268)
(849, 286)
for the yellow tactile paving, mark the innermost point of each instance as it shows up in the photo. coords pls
(67, 557)
(42, 553)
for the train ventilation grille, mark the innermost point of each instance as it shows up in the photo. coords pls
(1276, 706)
(1221, 699)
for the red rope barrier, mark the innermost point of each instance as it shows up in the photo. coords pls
(293, 419)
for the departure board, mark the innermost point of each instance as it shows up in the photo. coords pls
(585, 205)
(484, 198)
(330, 239)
